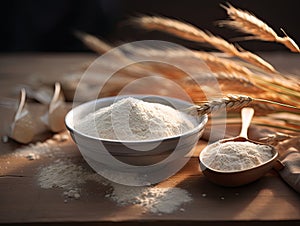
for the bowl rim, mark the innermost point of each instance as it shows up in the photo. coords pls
(274, 157)
(71, 128)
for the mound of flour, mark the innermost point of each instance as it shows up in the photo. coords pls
(134, 119)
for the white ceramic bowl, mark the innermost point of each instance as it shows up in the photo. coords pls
(105, 151)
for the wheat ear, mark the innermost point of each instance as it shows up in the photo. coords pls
(228, 102)
(231, 102)
(93, 42)
(250, 24)
(190, 32)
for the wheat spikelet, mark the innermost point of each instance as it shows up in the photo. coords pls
(228, 102)
(250, 24)
(187, 31)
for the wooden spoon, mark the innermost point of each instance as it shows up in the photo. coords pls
(239, 177)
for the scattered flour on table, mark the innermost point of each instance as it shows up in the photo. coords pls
(62, 174)
(70, 177)
(48, 148)
(154, 199)
(65, 175)
(233, 156)
(134, 119)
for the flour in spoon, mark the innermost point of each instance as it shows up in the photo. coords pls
(234, 156)
(133, 119)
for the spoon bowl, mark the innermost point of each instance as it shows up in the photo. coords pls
(237, 177)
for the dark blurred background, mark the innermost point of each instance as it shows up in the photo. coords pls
(48, 25)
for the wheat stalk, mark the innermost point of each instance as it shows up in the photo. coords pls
(216, 64)
(259, 121)
(275, 96)
(224, 69)
(250, 24)
(190, 32)
(274, 139)
(227, 70)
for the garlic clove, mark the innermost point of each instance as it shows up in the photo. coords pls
(22, 128)
(57, 110)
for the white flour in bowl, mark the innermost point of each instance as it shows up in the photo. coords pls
(133, 119)
(234, 156)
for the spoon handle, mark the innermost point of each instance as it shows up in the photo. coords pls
(247, 114)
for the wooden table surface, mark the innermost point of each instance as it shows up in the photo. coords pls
(268, 200)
